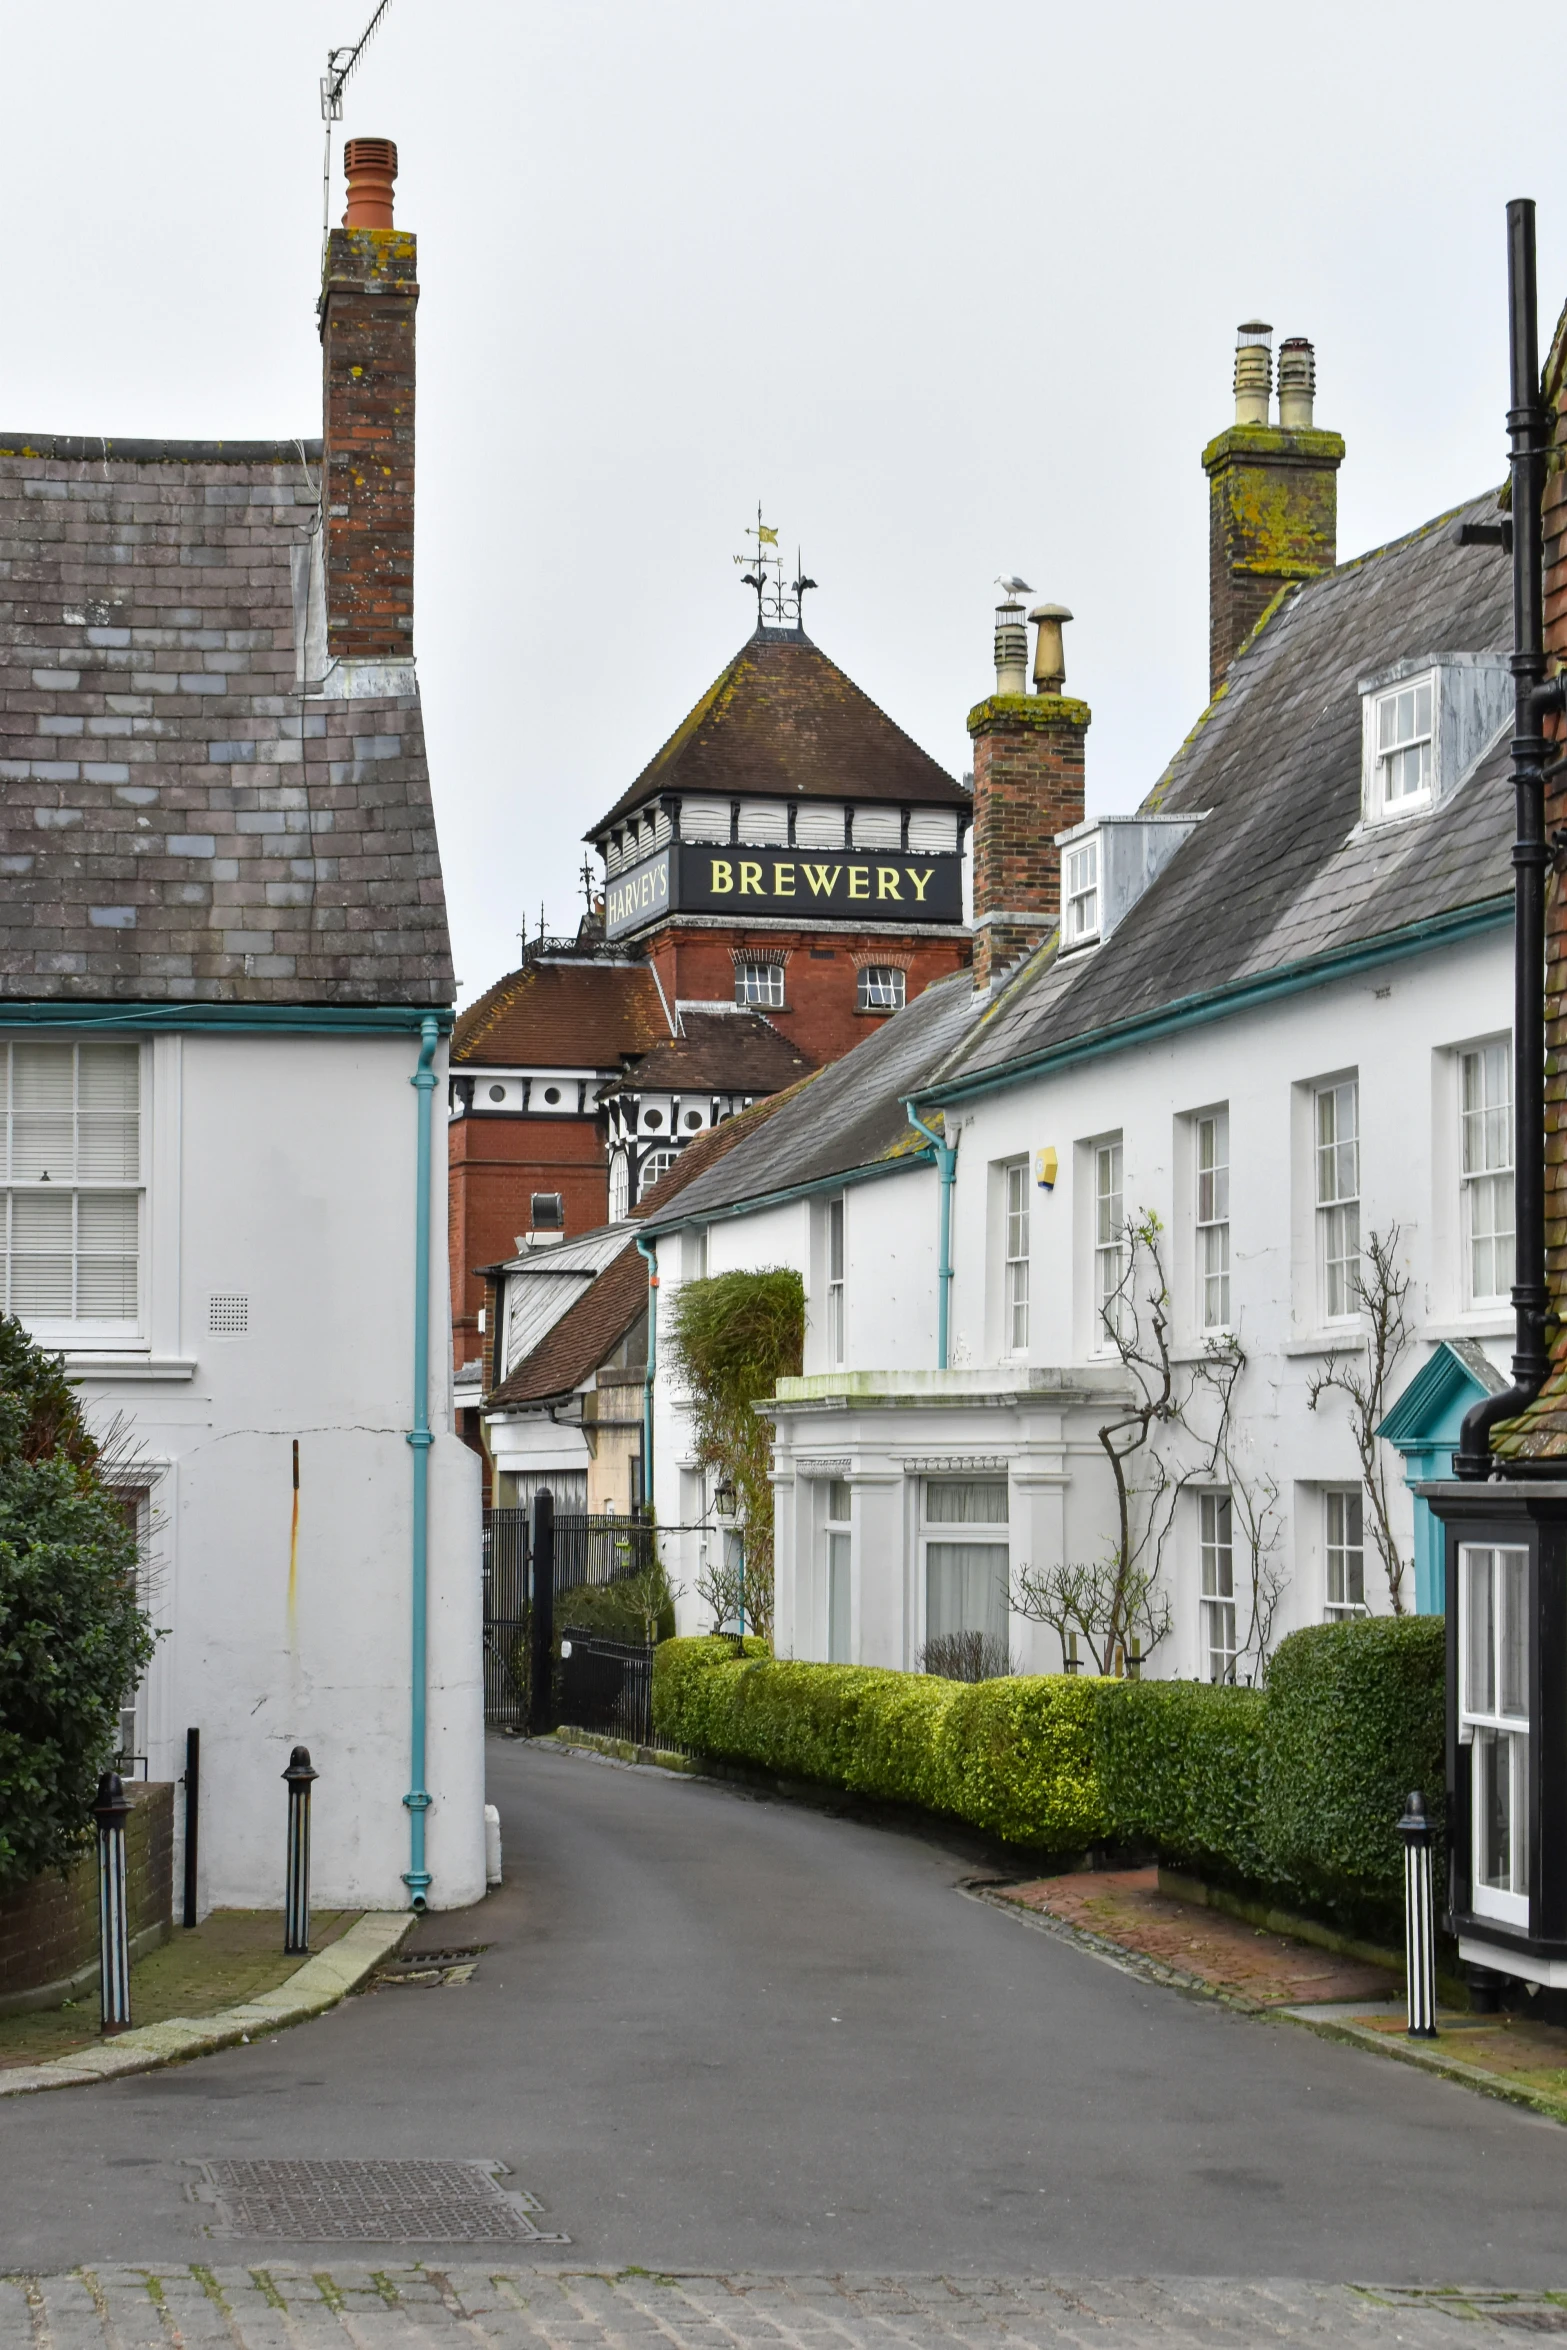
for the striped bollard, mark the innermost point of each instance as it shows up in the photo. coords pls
(296, 1899)
(1419, 1920)
(111, 1810)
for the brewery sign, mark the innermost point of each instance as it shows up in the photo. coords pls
(690, 877)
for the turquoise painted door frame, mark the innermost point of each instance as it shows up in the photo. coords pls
(1424, 1427)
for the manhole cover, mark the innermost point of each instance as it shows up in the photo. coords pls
(368, 2202)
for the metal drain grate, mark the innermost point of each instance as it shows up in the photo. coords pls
(368, 2202)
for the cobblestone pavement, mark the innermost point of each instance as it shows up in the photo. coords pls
(469, 2307)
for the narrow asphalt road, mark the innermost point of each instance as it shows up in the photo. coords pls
(716, 2032)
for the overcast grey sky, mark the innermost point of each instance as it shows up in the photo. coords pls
(951, 290)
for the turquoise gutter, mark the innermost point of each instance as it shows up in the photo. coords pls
(264, 1019)
(1238, 996)
(648, 1251)
(417, 1876)
(946, 1169)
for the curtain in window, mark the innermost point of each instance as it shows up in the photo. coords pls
(966, 1589)
(966, 1501)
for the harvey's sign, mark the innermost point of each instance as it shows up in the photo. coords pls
(689, 877)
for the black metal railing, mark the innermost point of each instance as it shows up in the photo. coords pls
(606, 1686)
(584, 1551)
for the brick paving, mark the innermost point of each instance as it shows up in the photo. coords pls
(471, 2306)
(1125, 1906)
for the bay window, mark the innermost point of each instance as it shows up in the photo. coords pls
(1494, 1723)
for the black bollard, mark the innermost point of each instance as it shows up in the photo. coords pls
(296, 1898)
(541, 1646)
(192, 1819)
(111, 1811)
(1419, 1920)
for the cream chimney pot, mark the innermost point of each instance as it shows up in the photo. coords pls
(1011, 649)
(1253, 371)
(1297, 384)
(1049, 652)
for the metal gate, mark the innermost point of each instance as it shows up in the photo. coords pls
(584, 1550)
(607, 1686)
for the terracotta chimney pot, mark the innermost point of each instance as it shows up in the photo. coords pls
(371, 165)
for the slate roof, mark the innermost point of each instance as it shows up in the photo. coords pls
(566, 1014)
(725, 1052)
(784, 721)
(177, 821)
(847, 1117)
(1279, 871)
(573, 1338)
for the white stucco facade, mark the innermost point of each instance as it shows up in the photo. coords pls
(882, 1422)
(274, 1306)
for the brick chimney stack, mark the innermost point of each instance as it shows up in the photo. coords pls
(369, 294)
(1028, 786)
(1273, 493)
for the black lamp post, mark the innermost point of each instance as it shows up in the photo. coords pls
(1504, 1517)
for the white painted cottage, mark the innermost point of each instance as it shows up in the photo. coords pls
(1274, 1016)
(226, 989)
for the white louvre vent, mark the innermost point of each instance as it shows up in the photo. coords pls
(228, 1317)
(933, 830)
(704, 819)
(818, 827)
(878, 828)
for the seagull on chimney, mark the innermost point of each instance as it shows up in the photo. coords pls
(1015, 586)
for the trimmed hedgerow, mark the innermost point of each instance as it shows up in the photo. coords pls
(1014, 1757)
(1355, 1719)
(1180, 1764)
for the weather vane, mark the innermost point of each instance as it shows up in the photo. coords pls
(782, 605)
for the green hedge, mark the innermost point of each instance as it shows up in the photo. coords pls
(1294, 1790)
(1013, 1757)
(1356, 1715)
(1181, 1763)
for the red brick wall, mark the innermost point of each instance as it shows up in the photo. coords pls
(1028, 786)
(496, 1165)
(367, 345)
(49, 1929)
(821, 976)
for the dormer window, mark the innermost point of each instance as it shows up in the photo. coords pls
(1080, 907)
(1403, 758)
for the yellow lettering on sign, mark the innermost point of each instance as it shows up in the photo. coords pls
(859, 881)
(921, 881)
(783, 881)
(822, 878)
(887, 882)
(751, 881)
(723, 877)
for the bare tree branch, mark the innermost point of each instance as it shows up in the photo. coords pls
(1383, 1291)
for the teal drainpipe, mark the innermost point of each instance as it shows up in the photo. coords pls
(648, 1250)
(946, 1170)
(416, 1876)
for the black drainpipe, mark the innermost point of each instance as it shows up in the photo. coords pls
(1528, 426)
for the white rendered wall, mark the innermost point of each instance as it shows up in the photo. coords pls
(284, 1172)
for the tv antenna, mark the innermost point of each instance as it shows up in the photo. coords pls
(340, 64)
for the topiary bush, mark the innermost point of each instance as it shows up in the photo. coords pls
(1014, 1757)
(74, 1640)
(1354, 1719)
(1180, 1765)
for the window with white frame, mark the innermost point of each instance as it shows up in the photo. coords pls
(835, 1285)
(619, 1186)
(838, 1555)
(1344, 1548)
(1215, 1521)
(1015, 1296)
(1213, 1220)
(1402, 748)
(1486, 1170)
(760, 985)
(1337, 1155)
(967, 1568)
(1109, 1242)
(1080, 894)
(655, 1164)
(882, 987)
(1494, 1723)
(73, 1186)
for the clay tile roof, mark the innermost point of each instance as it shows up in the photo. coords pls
(784, 721)
(581, 1015)
(736, 1052)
